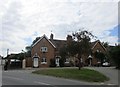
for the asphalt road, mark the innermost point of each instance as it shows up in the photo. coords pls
(110, 72)
(24, 77)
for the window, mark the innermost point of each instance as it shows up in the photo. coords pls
(44, 49)
(43, 61)
(67, 60)
(98, 50)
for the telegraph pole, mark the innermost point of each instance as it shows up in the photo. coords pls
(7, 52)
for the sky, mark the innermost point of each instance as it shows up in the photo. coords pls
(21, 21)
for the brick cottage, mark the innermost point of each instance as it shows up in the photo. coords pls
(46, 49)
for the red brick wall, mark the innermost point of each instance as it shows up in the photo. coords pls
(29, 62)
(98, 46)
(50, 54)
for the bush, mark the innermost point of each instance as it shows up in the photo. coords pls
(115, 54)
(52, 63)
(61, 61)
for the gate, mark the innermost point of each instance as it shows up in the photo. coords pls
(15, 64)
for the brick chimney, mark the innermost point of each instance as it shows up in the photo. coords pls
(51, 36)
(69, 38)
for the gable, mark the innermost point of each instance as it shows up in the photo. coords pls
(98, 46)
(43, 38)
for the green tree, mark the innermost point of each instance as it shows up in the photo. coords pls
(115, 55)
(101, 56)
(72, 48)
(105, 44)
(80, 45)
(28, 49)
(37, 38)
(63, 52)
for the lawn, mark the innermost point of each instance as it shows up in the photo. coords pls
(83, 74)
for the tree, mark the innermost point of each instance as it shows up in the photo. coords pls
(115, 55)
(101, 56)
(28, 48)
(105, 44)
(37, 38)
(28, 53)
(72, 48)
(81, 44)
(63, 52)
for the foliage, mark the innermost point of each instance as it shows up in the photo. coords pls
(63, 52)
(61, 62)
(115, 55)
(52, 63)
(28, 48)
(28, 53)
(82, 44)
(105, 44)
(83, 41)
(37, 38)
(100, 56)
(79, 45)
(19, 56)
(72, 48)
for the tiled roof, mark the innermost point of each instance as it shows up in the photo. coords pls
(59, 43)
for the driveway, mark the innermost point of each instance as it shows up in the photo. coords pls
(110, 72)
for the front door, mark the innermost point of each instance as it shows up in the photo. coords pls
(36, 62)
(57, 61)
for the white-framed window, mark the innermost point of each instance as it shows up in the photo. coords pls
(43, 61)
(98, 50)
(67, 60)
(44, 49)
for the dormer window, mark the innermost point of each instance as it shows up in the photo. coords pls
(44, 49)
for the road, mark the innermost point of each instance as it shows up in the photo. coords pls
(110, 72)
(24, 77)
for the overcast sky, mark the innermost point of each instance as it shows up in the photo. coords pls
(24, 20)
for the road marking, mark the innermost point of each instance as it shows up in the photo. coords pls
(42, 83)
(110, 84)
(12, 78)
(102, 83)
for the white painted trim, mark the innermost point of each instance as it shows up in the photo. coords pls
(94, 45)
(44, 36)
(43, 62)
(35, 56)
(67, 62)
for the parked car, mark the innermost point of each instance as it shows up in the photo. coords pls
(106, 64)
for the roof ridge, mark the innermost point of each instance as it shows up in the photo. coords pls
(42, 38)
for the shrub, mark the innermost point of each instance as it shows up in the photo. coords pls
(61, 61)
(52, 63)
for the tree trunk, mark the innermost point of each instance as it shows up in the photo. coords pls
(79, 66)
(79, 58)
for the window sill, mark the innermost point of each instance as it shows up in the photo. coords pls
(43, 62)
(67, 62)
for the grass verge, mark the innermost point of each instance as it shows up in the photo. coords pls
(83, 74)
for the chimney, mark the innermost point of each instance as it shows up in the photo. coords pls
(69, 38)
(51, 36)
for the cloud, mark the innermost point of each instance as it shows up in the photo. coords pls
(24, 20)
